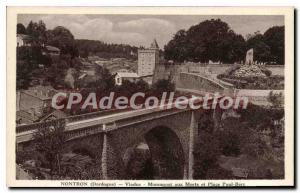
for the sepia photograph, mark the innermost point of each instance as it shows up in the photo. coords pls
(148, 97)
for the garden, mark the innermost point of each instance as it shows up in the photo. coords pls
(252, 76)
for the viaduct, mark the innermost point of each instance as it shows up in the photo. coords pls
(169, 133)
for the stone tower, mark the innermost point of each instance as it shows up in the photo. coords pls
(148, 59)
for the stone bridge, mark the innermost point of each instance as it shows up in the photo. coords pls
(169, 133)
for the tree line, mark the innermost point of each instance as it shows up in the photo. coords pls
(215, 40)
(105, 50)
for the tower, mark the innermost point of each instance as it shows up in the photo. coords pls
(147, 59)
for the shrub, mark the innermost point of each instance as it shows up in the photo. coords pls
(266, 72)
(206, 154)
(233, 68)
(276, 99)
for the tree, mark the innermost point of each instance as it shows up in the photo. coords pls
(105, 50)
(163, 85)
(49, 141)
(176, 49)
(206, 154)
(28, 59)
(37, 31)
(262, 52)
(21, 29)
(209, 40)
(274, 38)
(62, 38)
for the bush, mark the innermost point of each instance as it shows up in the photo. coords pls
(276, 99)
(271, 82)
(206, 154)
(266, 72)
(233, 68)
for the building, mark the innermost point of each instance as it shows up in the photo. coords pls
(51, 50)
(34, 103)
(121, 76)
(148, 59)
(35, 97)
(23, 40)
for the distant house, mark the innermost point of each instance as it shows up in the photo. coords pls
(51, 50)
(23, 40)
(121, 76)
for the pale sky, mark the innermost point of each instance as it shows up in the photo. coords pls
(140, 30)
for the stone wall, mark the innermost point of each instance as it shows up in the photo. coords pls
(172, 71)
(199, 83)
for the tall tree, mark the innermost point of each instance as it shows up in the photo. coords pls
(37, 31)
(209, 40)
(21, 29)
(176, 49)
(49, 142)
(62, 38)
(262, 51)
(274, 37)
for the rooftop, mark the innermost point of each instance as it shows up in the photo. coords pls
(127, 74)
(24, 36)
(52, 48)
(41, 92)
(154, 45)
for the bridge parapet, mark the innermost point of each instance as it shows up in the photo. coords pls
(201, 83)
(93, 115)
(92, 124)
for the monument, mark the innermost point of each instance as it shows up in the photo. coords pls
(249, 57)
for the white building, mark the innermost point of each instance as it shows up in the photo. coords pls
(23, 40)
(121, 76)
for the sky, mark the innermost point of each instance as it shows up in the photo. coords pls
(140, 30)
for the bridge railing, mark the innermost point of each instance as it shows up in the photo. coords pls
(94, 114)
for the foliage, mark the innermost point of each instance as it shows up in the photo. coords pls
(206, 154)
(209, 40)
(275, 82)
(104, 50)
(274, 37)
(262, 51)
(276, 99)
(28, 59)
(62, 38)
(163, 85)
(49, 142)
(37, 31)
(214, 40)
(255, 115)
(21, 29)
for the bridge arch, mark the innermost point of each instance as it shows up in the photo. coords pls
(165, 150)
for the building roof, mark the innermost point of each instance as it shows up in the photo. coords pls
(127, 74)
(52, 48)
(41, 92)
(154, 45)
(24, 36)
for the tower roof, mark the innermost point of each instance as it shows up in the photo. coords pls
(154, 45)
